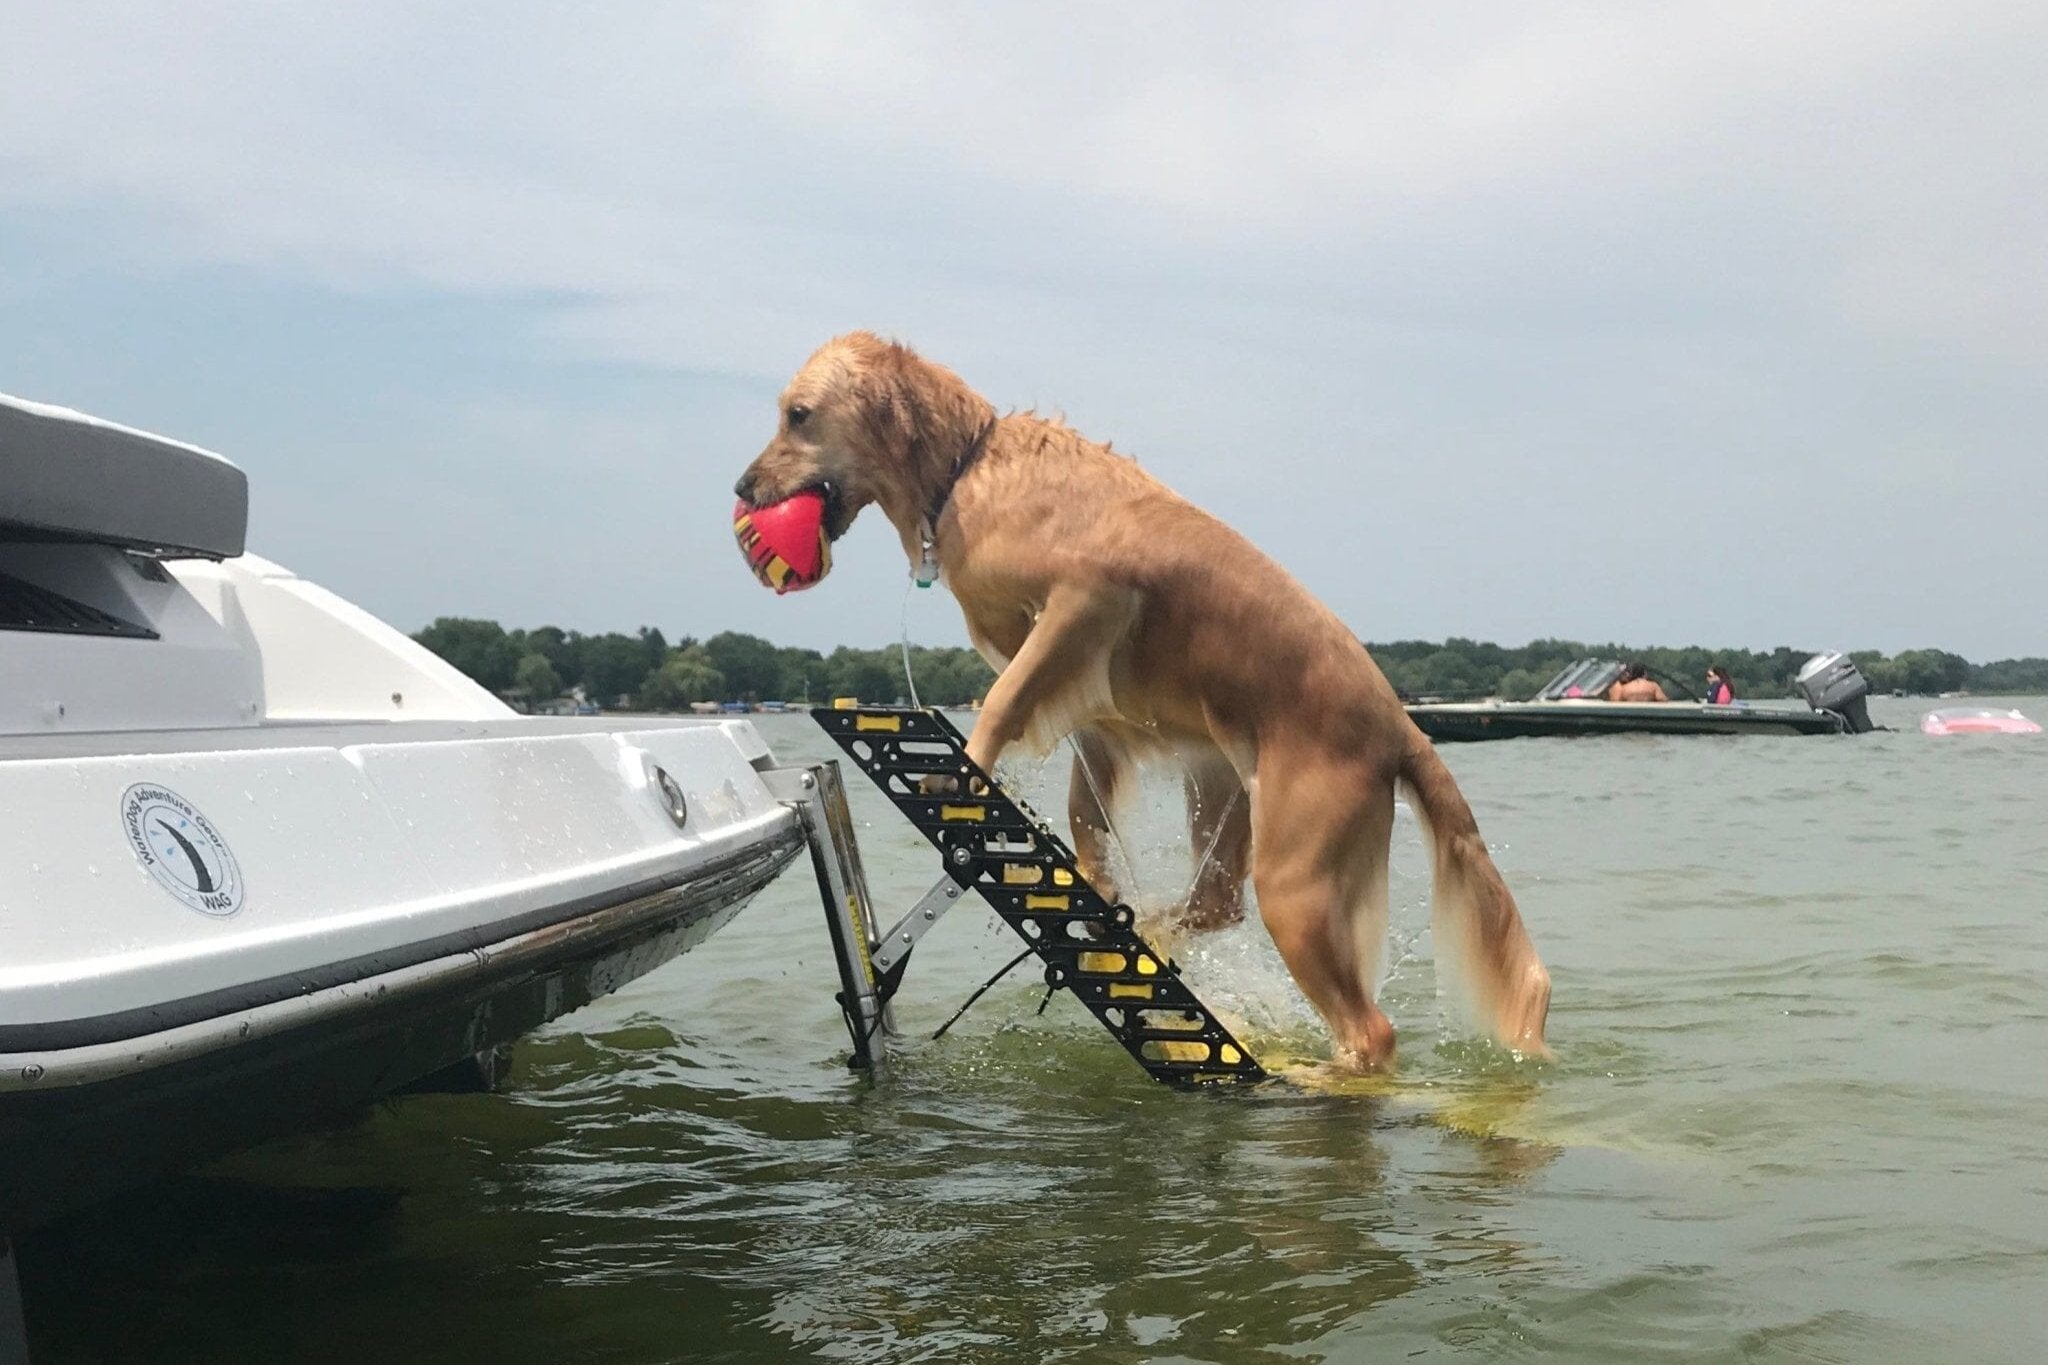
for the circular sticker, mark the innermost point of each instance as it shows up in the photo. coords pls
(180, 848)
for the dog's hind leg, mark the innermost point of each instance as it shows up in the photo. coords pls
(1101, 772)
(1479, 933)
(1220, 833)
(1322, 832)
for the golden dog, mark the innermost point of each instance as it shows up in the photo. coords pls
(1123, 616)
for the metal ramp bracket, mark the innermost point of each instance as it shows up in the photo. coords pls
(993, 844)
(818, 796)
(892, 949)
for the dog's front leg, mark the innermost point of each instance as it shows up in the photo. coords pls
(1059, 678)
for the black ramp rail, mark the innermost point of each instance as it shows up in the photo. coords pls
(996, 845)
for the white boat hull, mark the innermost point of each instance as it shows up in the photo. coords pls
(266, 859)
(351, 847)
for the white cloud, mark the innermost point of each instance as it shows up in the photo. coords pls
(1424, 255)
(659, 164)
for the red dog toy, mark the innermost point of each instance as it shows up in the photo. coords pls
(785, 542)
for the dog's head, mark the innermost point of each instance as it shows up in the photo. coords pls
(840, 431)
(866, 421)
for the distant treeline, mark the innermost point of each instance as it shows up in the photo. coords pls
(648, 672)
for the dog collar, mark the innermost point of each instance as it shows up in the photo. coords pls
(926, 571)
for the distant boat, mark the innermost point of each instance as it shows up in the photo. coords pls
(1569, 705)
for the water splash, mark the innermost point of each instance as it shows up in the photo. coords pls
(1236, 970)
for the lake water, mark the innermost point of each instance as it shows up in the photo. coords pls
(1799, 1112)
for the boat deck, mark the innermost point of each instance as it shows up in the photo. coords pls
(335, 734)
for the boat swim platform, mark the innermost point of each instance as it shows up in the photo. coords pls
(994, 845)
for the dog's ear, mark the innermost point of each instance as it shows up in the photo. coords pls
(878, 419)
(885, 402)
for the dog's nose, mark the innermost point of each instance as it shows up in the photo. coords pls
(745, 488)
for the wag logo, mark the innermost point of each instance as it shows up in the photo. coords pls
(180, 849)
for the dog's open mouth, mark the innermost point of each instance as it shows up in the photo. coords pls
(835, 506)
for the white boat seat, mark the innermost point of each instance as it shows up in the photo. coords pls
(73, 477)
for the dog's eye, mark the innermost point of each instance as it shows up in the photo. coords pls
(797, 415)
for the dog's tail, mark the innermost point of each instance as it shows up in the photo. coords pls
(1479, 933)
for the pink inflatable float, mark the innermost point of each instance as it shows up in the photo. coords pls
(1976, 720)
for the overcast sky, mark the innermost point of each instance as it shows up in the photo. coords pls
(1663, 324)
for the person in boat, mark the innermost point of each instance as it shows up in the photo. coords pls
(1720, 687)
(1635, 684)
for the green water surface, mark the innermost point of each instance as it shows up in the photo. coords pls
(1799, 1112)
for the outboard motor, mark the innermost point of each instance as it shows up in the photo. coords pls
(1832, 682)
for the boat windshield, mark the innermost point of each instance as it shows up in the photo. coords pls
(1586, 678)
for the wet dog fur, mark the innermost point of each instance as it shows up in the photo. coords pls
(1125, 618)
